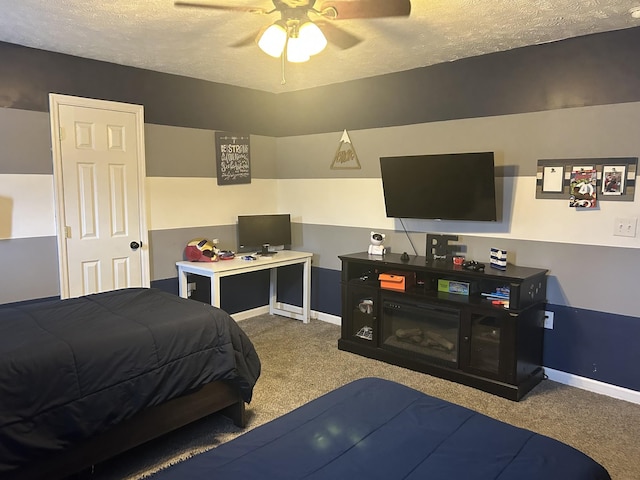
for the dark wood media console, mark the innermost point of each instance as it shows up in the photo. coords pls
(466, 338)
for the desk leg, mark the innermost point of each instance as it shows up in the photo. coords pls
(182, 283)
(273, 292)
(215, 290)
(286, 310)
(306, 291)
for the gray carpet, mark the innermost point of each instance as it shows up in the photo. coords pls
(301, 362)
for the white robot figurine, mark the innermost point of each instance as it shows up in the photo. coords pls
(376, 247)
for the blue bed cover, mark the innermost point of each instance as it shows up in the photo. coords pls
(377, 429)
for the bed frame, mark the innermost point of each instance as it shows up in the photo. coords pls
(215, 397)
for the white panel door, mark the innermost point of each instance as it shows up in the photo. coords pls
(101, 200)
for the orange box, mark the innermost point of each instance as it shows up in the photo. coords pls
(399, 281)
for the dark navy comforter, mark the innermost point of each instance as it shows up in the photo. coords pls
(71, 369)
(376, 429)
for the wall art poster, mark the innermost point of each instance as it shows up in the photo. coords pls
(233, 159)
(613, 179)
(346, 157)
(582, 188)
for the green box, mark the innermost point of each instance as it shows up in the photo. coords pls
(453, 286)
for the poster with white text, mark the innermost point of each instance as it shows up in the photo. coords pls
(233, 158)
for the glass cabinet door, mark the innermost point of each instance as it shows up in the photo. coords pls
(362, 305)
(484, 343)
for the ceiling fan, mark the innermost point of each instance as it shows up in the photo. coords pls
(295, 37)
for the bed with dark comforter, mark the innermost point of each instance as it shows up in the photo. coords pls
(377, 429)
(72, 369)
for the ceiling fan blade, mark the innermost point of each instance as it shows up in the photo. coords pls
(337, 36)
(246, 40)
(345, 10)
(210, 6)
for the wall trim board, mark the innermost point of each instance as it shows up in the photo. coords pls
(595, 386)
(252, 312)
(326, 317)
(315, 315)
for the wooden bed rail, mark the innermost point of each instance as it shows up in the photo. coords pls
(215, 397)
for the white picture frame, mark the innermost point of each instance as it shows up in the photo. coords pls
(613, 179)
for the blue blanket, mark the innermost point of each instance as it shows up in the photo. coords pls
(71, 369)
(377, 429)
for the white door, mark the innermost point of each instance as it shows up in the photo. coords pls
(99, 184)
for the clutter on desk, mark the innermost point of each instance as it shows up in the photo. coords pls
(202, 250)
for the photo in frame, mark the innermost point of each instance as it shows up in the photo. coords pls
(613, 179)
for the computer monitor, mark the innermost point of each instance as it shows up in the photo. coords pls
(265, 234)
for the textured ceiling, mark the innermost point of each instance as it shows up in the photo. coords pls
(155, 35)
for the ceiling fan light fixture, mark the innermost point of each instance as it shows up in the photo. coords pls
(297, 51)
(273, 40)
(312, 37)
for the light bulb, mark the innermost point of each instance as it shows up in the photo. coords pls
(273, 39)
(312, 37)
(297, 50)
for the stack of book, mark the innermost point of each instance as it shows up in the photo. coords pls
(500, 296)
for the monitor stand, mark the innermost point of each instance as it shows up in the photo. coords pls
(265, 251)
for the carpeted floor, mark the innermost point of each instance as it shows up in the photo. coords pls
(301, 362)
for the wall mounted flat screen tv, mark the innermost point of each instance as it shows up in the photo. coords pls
(456, 186)
(256, 231)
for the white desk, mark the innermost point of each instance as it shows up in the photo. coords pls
(224, 268)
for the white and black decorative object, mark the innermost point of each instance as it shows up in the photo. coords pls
(498, 259)
(376, 247)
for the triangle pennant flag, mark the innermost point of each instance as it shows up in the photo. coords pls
(345, 157)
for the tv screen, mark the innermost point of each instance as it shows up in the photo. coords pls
(254, 231)
(454, 186)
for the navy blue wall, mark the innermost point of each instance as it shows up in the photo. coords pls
(592, 70)
(29, 75)
(594, 345)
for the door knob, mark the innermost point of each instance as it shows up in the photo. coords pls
(135, 245)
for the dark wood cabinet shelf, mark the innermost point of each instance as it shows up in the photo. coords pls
(464, 338)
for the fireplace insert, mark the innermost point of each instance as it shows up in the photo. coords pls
(421, 329)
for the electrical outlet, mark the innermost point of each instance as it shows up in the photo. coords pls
(548, 319)
(625, 226)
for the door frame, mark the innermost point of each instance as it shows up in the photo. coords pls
(55, 100)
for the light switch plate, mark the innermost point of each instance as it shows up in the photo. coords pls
(625, 226)
(548, 319)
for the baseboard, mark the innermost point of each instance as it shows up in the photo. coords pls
(326, 317)
(254, 312)
(593, 385)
